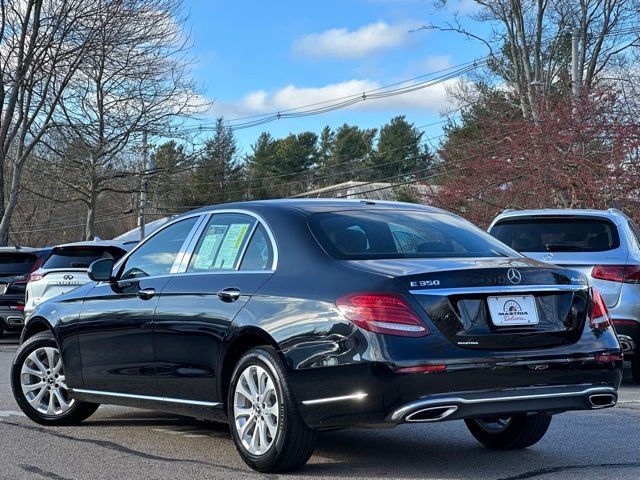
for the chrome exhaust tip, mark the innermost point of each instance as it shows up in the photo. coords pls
(602, 400)
(431, 414)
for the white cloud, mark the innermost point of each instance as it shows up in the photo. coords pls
(344, 43)
(464, 7)
(437, 62)
(432, 99)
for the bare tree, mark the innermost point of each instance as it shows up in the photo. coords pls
(529, 45)
(135, 81)
(42, 45)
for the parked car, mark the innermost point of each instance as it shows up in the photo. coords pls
(602, 244)
(287, 317)
(16, 265)
(66, 268)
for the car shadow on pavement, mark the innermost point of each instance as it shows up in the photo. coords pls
(158, 420)
(410, 452)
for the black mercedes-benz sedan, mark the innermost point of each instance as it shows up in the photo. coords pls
(288, 317)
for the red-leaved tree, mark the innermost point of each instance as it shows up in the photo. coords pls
(578, 154)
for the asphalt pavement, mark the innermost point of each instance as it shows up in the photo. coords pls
(125, 443)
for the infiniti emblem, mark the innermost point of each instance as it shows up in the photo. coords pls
(514, 276)
(68, 277)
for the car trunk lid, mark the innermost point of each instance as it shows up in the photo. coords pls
(455, 294)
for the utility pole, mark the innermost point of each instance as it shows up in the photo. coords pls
(142, 214)
(575, 71)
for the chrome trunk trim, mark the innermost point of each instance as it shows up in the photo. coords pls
(499, 289)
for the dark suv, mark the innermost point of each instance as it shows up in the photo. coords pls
(16, 264)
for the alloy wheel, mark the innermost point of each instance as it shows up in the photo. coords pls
(43, 382)
(256, 410)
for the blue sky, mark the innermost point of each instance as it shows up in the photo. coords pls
(256, 57)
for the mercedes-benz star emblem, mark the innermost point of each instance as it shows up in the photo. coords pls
(514, 276)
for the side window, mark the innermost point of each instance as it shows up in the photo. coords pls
(222, 243)
(259, 254)
(156, 256)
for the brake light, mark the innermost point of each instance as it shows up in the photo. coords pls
(617, 273)
(34, 277)
(422, 369)
(30, 277)
(600, 317)
(626, 323)
(604, 358)
(385, 313)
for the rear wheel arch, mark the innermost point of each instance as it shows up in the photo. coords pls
(240, 344)
(34, 326)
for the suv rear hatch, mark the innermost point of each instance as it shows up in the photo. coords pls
(14, 269)
(468, 300)
(579, 242)
(66, 269)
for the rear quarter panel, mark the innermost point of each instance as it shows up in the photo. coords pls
(60, 315)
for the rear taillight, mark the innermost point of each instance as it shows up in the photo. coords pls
(382, 313)
(30, 277)
(441, 367)
(625, 323)
(617, 273)
(599, 313)
(34, 277)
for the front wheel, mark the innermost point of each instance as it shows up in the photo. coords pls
(509, 433)
(39, 384)
(265, 424)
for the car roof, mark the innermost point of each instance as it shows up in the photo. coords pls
(560, 212)
(100, 243)
(19, 249)
(319, 205)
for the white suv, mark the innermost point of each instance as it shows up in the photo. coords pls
(603, 244)
(66, 269)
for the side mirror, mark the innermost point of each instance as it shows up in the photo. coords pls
(100, 270)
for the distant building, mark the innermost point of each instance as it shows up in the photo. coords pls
(134, 235)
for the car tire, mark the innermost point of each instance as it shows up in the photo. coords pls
(635, 370)
(39, 384)
(268, 431)
(510, 433)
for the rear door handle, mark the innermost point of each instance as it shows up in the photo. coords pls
(146, 293)
(229, 294)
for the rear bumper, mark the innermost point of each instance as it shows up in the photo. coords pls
(11, 319)
(629, 336)
(370, 394)
(551, 399)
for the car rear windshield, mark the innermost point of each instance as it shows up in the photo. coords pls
(363, 235)
(16, 262)
(80, 257)
(558, 234)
